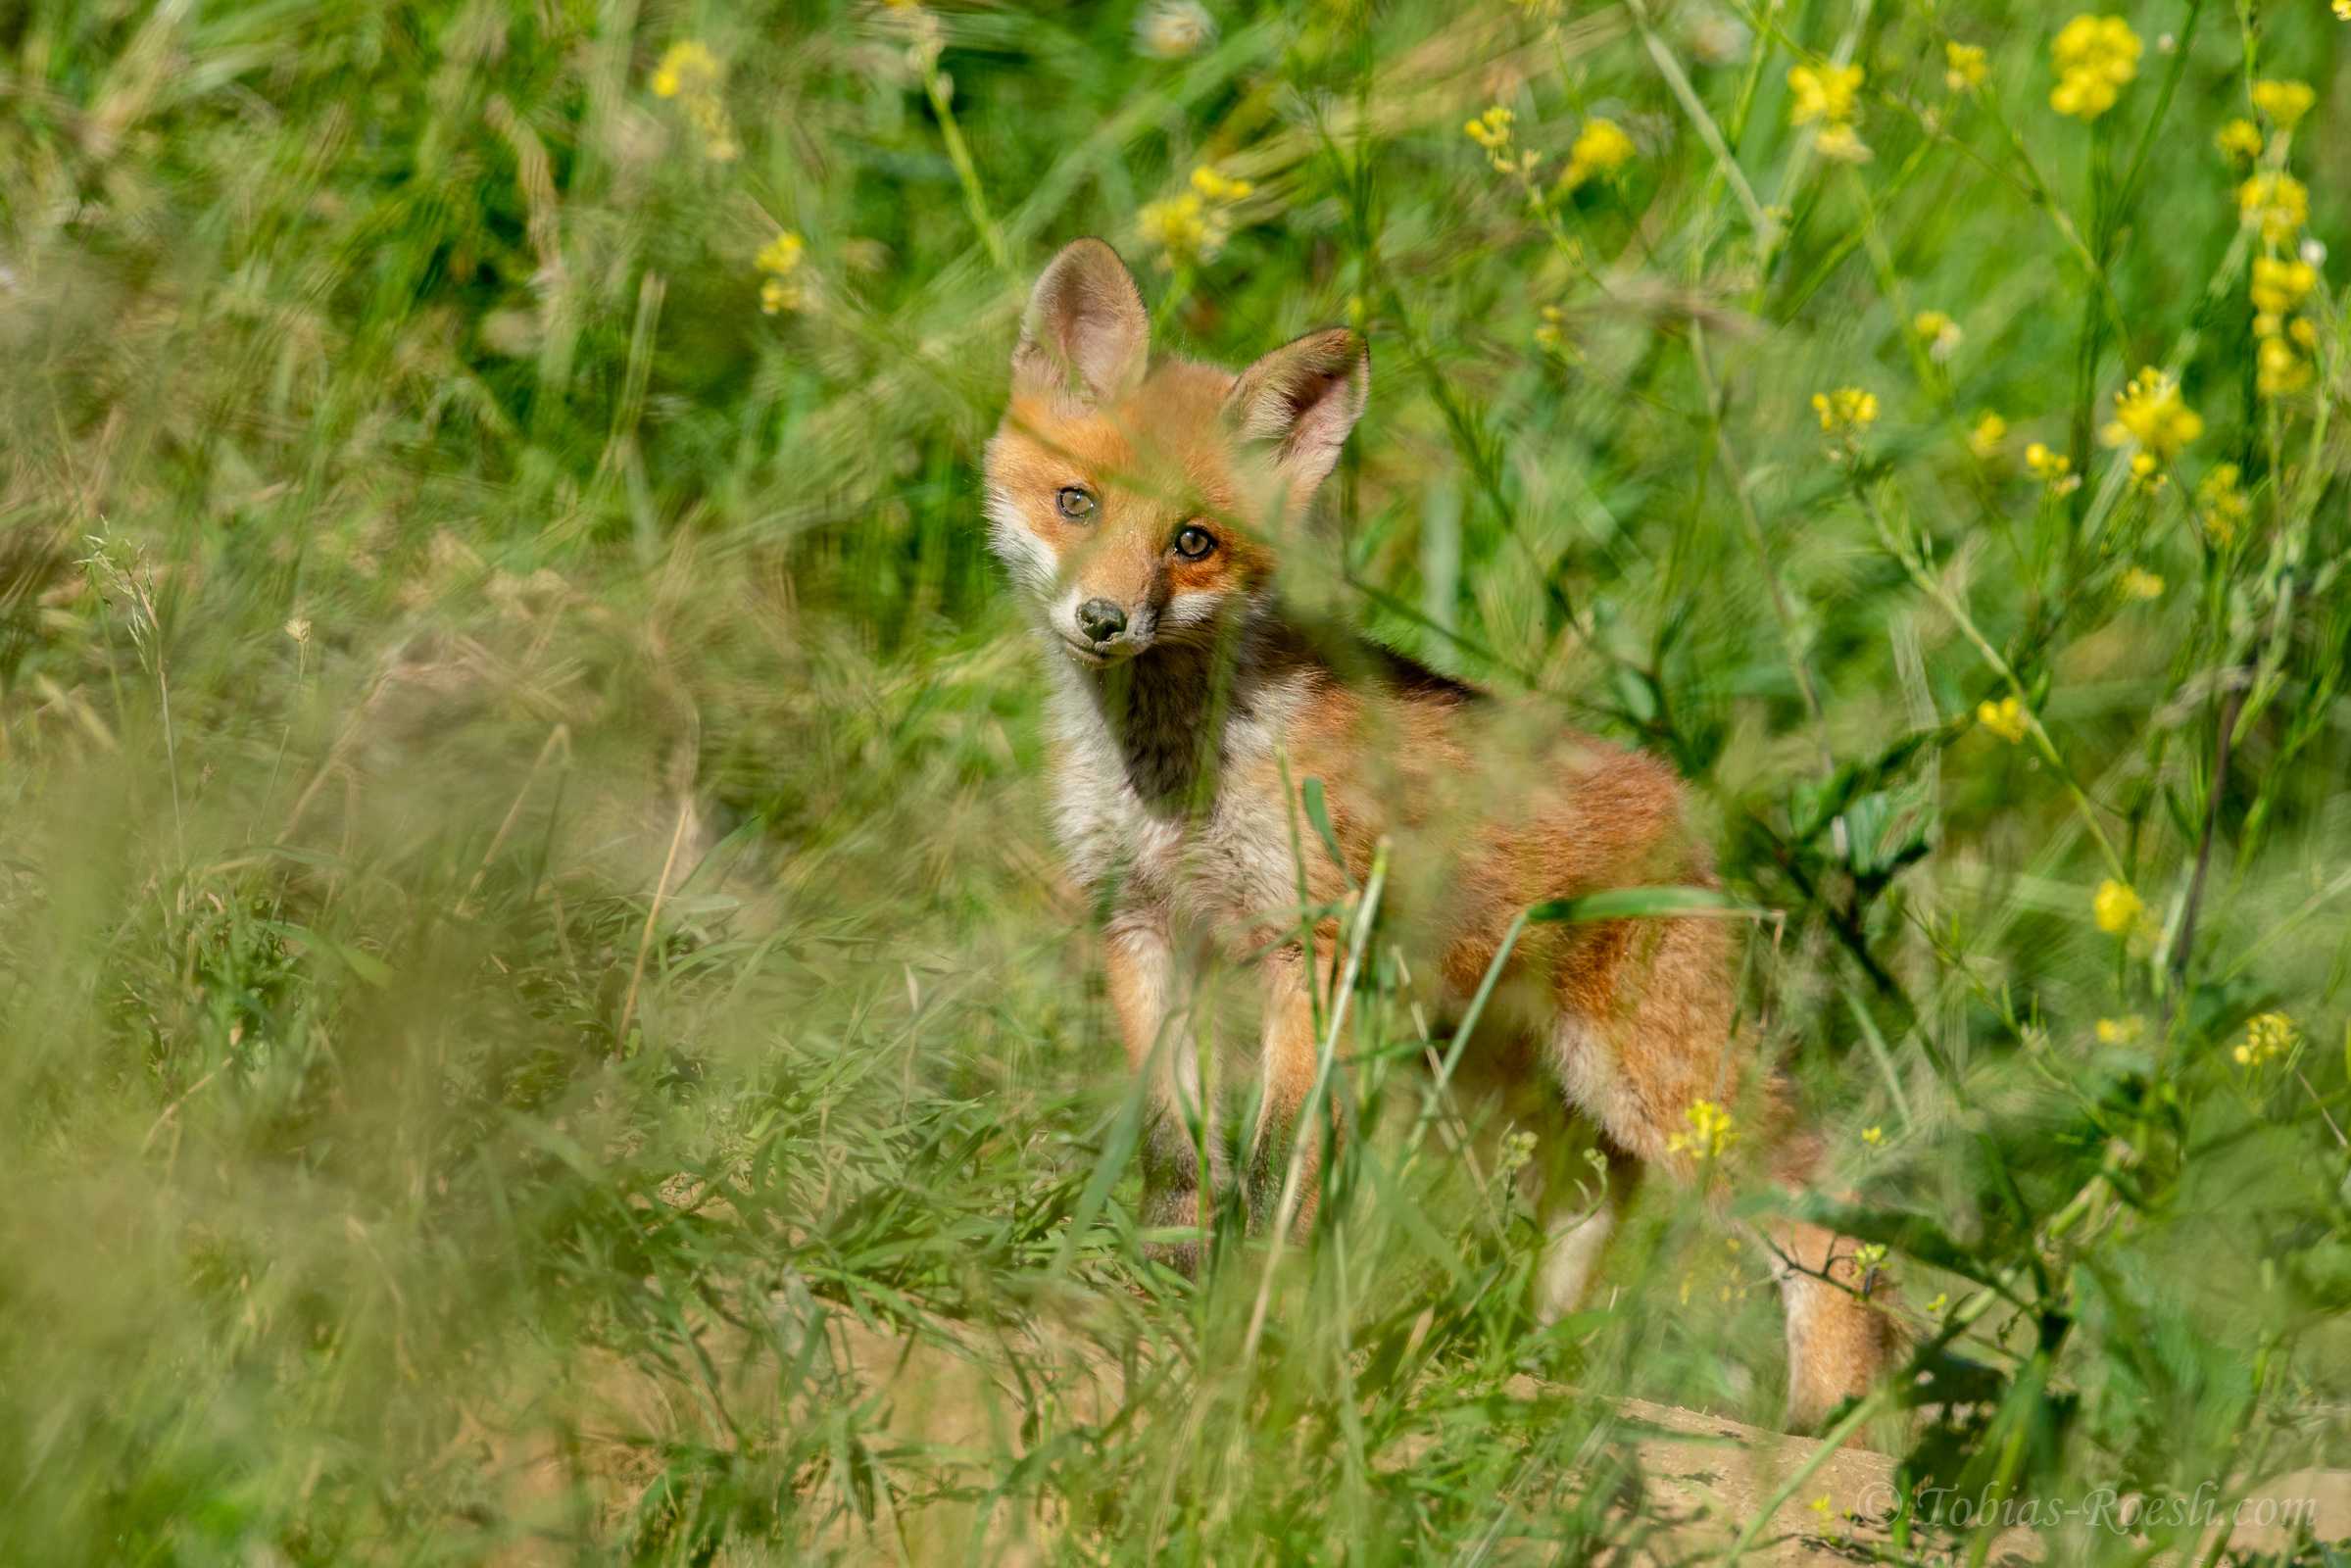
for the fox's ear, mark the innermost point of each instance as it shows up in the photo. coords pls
(1084, 317)
(1303, 398)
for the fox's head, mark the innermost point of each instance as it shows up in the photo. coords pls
(1137, 503)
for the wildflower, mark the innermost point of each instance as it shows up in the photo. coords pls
(2115, 907)
(2278, 369)
(2240, 139)
(2095, 57)
(1183, 228)
(2342, 10)
(688, 67)
(689, 72)
(2274, 200)
(2137, 583)
(1968, 68)
(1848, 411)
(1552, 335)
(1875, 1137)
(1711, 1131)
(1944, 1298)
(2120, 1031)
(2267, 1037)
(2284, 102)
(1820, 1505)
(2278, 287)
(1220, 187)
(1842, 143)
(1602, 148)
(2150, 412)
(1990, 433)
(1823, 92)
(2005, 718)
(780, 259)
(2221, 507)
(2046, 465)
(1491, 129)
(1942, 334)
(1171, 30)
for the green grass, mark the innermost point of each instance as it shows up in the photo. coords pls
(414, 537)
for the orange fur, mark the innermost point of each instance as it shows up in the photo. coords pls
(1140, 507)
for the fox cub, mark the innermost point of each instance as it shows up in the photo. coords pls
(1137, 505)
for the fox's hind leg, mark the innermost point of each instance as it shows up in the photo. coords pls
(1289, 1054)
(1159, 1041)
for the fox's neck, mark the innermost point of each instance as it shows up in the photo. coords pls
(1166, 711)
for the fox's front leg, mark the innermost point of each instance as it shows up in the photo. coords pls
(1289, 1059)
(1159, 1043)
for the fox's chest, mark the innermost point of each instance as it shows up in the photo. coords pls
(1200, 832)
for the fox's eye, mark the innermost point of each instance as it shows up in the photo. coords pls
(1075, 503)
(1194, 541)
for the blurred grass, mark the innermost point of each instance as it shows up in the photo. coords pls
(529, 962)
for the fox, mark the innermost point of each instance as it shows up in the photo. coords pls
(1140, 504)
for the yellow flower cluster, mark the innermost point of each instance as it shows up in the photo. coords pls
(2116, 907)
(2150, 412)
(1711, 1131)
(1942, 334)
(2221, 507)
(1990, 433)
(1828, 94)
(2005, 718)
(1194, 226)
(2120, 1031)
(2239, 139)
(2095, 57)
(2277, 288)
(1966, 67)
(2275, 201)
(689, 72)
(2284, 102)
(2267, 1037)
(780, 259)
(1552, 335)
(1602, 148)
(1847, 412)
(2051, 469)
(1492, 132)
(2137, 583)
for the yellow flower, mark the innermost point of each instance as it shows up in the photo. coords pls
(1220, 187)
(2240, 139)
(1823, 92)
(1942, 334)
(2044, 464)
(2274, 200)
(2005, 718)
(1842, 143)
(2139, 584)
(2095, 57)
(687, 66)
(1491, 129)
(2284, 102)
(1875, 1137)
(2220, 506)
(1184, 228)
(2342, 10)
(2151, 413)
(1602, 148)
(1711, 1131)
(2115, 907)
(2120, 1031)
(779, 255)
(1968, 68)
(2278, 287)
(1990, 433)
(1846, 410)
(779, 294)
(2267, 1037)
(1552, 335)
(2278, 369)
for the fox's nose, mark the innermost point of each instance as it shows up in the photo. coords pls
(1100, 621)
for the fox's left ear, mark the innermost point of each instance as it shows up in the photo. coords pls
(1303, 398)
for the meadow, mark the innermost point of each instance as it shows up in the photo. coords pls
(533, 972)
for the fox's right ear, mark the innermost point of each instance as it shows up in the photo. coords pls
(1085, 321)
